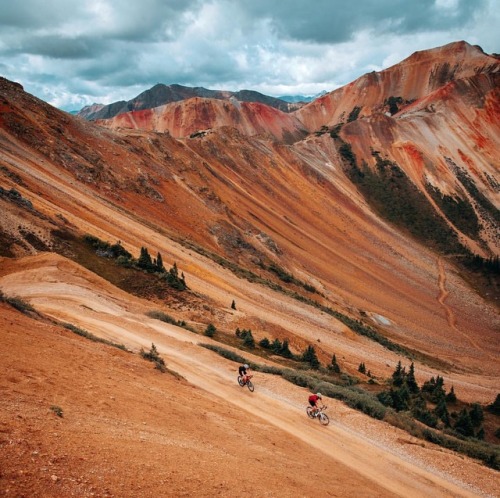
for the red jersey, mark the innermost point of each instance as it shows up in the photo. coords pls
(313, 398)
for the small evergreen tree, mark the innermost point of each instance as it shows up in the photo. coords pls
(451, 396)
(153, 355)
(145, 262)
(276, 346)
(411, 382)
(362, 368)
(285, 350)
(398, 376)
(476, 415)
(309, 356)
(264, 343)
(159, 264)
(441, 411)
(334, 365)
(210, 330)
(463, 424)
(248, 339)
(233, 305)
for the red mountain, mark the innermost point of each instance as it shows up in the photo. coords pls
(365, 224)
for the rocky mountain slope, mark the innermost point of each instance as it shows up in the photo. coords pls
(161, 94)
(286, 215)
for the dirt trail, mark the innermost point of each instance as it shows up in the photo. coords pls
(450, 316)
(376, 451)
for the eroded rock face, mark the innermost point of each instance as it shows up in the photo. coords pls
(188, 117)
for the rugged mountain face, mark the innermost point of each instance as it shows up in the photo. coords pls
(392, 89)
(319, 227)
(162, 94)
(195, 116)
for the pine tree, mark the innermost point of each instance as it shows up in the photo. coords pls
(441, 411)
(210, 330)
(276, 346)
(334, 365)
(411, 382)
(248, 339)
(451, 396)
(233, 305)
(285, 350)
(145, 262)
(463, 425)
(159, 264)
(476, 415)
(362, 368)
(398, 375)
(264, 343)
(309, 356)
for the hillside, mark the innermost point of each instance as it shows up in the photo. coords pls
(161, 94)
(289, 221)
(128, 430)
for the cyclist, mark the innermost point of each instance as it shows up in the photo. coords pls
(243, 371)
(313, 401)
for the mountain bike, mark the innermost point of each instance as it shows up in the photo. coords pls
(323, 417)
(247, 383)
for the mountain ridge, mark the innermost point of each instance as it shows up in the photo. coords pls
(349, 235)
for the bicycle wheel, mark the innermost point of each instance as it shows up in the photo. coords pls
(323, 419)
(250, 386)
(309, 410)
(240, 381)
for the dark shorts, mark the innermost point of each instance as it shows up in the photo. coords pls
(312, 403)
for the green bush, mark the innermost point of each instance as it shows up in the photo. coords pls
(153, 356)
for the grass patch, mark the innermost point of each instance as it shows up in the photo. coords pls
(92, 337)
(164, 317)
(17, 303)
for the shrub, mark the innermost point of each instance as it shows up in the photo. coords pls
(159, 315)
(19, 304)
(153, 356)
(225, 353)
(57, 410)
(88, 335)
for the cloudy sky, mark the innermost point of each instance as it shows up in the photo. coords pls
(75, 52)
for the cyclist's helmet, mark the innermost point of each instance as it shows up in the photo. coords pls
(318, 395)
(246, 366)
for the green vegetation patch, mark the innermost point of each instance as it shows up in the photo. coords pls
(92, 337)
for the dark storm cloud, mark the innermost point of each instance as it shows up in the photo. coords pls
(334, 21)
(75, 52)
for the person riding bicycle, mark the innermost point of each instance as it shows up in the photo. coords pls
(243, 371)
(313, 401)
